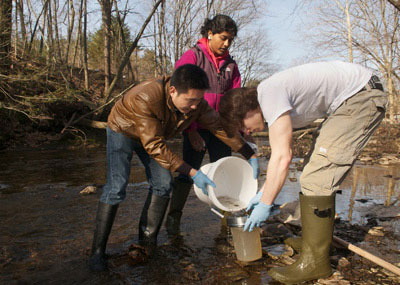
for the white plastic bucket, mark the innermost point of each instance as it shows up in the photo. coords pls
(235, 184)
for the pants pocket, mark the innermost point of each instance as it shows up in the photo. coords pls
(341, 155)
(381, 103)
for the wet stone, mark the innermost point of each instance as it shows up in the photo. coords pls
(278, 251)
(225, 249)
(89, 190)
(335, 278)
(191, 273)
(3, 186)
(235, 274)
(343, 263)
(137, 254)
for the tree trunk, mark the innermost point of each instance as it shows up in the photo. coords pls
(121, 30)
(395, 3)
(16, 31)
(161, 32)
(106, 16)
(349, 36)
(57, 44)
(71, 22)
(84, 43)
(20, 9)
(5, 35)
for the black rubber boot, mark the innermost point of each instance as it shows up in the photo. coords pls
(151, 219)
(104, 221)
(180, 193)
(317, 220)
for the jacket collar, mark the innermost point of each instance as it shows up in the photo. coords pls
(167, 82)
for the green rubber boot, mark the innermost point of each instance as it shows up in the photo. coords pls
(294, 242)
(180, 193)
(317, 219)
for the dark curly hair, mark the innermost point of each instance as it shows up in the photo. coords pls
(219, 24)
(234, 106)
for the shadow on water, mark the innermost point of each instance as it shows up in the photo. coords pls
(47, 226)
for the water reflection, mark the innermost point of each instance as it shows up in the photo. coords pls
(365, 187)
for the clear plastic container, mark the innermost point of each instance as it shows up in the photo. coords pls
(247, 244)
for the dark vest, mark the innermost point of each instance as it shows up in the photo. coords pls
(219, 82)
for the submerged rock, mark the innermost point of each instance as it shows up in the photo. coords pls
(89, 190)
(278, 251)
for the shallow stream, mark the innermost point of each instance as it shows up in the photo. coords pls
(47, 225)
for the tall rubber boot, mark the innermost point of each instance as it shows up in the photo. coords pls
(104, 221)
(294, 242)
(317, 218)
(180, 193)
(151, 219)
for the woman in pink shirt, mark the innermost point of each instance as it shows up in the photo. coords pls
(211, 53)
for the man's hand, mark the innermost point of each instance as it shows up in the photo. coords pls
(254, 201)
(196, 141)
(201, 180)
(256, 168)
(260, 213)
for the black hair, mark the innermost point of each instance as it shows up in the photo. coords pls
(189, 76)
(219, 24)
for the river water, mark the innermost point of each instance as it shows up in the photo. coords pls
(47, 225)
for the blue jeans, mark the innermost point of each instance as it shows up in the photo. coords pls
(216, 150)
(119, 155)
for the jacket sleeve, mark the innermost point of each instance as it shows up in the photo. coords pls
(236, 78)
(151, 133)
(209, 119)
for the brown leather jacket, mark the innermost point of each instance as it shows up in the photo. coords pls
(146, 113)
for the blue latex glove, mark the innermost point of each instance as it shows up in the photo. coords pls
(201, 180)
(260, 213)
(256, 168)
(254, 201)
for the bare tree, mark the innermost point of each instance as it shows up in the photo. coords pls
(345, 7)
(128, 53)
(106, 17)
(71, 22)
(395, 3)
(252, 53)
(374, 36)
(382, 46)
(175, 34)
(84, 44)
(121, 35)
(19, 6)
(5, 35)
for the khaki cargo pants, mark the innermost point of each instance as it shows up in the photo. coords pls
(340, 139)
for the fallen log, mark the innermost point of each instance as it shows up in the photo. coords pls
(93, 124)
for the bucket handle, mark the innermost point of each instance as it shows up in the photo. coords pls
(217, 213)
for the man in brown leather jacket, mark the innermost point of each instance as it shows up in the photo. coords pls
(142, 121)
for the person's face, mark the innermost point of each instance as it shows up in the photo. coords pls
(253, 122)
(186, 102)
(220, 43)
